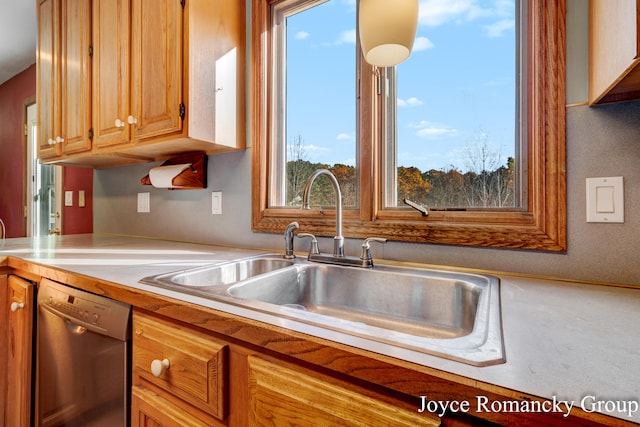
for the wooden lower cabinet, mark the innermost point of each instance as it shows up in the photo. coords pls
(284, 394)
(179, 375)
(18, 307)
(209, 382)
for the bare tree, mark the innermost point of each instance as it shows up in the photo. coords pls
(297, 169)
(487, 182)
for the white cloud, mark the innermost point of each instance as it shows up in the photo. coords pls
(499, 28)
(312, 147)
(301, 35)
(437, 12)
(410, 102)
(348, 36)
(431, 130)
(422, 43)
(344, 137)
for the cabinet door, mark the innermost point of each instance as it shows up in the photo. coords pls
(287, 395)
(47, 78)
(19, 352)
(156, 86)
(111, 73)
(75, 75)
(149, 409)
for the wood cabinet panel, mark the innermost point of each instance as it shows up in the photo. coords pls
(75, 75)
(197, 371)
(150, 410)
(288, 395)
(47, 76)
(111, 72)
(614, 45)
(156, 89)
(20, 305)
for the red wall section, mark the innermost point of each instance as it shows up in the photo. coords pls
(13, 93)
(76, 219)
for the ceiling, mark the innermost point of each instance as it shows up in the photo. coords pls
(17, 37)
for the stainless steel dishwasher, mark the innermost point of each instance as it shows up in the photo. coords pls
(83, 358)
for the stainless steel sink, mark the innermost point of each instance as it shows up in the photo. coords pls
(455, 315)
(223, 273)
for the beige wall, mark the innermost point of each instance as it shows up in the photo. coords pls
(603, 141)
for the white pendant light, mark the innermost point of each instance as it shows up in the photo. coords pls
(387, 30)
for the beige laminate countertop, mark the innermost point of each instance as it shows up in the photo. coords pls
(566, 341)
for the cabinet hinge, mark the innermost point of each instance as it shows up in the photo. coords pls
(90, 50)
(91, 134)
(26, 129)
(182, 110)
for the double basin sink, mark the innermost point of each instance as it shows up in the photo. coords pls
(454, 315)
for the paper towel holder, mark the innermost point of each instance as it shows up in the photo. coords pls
(192, 178)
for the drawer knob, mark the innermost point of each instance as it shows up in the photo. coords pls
(15, 306)
(158, 367)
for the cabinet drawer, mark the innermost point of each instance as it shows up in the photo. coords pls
(197, 365)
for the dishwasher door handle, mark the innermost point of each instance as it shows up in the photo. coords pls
(74, 327)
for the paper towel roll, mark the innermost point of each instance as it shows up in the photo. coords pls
(162, 176)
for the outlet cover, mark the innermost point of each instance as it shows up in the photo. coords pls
(144, 204)
(216, 203)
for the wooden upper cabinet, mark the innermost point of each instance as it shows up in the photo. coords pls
(47, 76)
(63, 77)
(75, 75)
(111, 72)
(614, 47)
(156, 87)
(165, 77)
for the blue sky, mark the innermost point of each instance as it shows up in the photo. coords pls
(456, 89)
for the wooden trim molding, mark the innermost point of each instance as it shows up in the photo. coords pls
(541, 225)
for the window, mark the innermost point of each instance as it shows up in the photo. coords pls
(531, 216)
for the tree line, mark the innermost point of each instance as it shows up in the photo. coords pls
(452, 188)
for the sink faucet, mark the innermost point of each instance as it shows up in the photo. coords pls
(338, 239)
(365, 260)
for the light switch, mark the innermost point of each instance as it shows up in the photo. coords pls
(216, 203)
(605, 199)
(81, 201)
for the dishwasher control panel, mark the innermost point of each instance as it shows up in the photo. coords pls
(85, 309)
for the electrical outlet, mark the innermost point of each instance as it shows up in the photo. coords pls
(68, 198)
(216, 203)
(144, 204)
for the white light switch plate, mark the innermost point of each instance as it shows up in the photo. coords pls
(216, 203)
(144, 204)
(605, 199)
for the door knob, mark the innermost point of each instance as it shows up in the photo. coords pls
(120, 123)
(132, 120)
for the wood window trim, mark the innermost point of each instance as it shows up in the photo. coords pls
(541, 226)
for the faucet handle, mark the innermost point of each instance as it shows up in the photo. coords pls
(313, 249)
(288, 240)
(366, 247)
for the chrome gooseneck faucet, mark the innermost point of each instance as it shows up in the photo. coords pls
(365, 260)
(338, 239)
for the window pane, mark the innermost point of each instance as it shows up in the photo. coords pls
(456, 109)
(318, 100)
